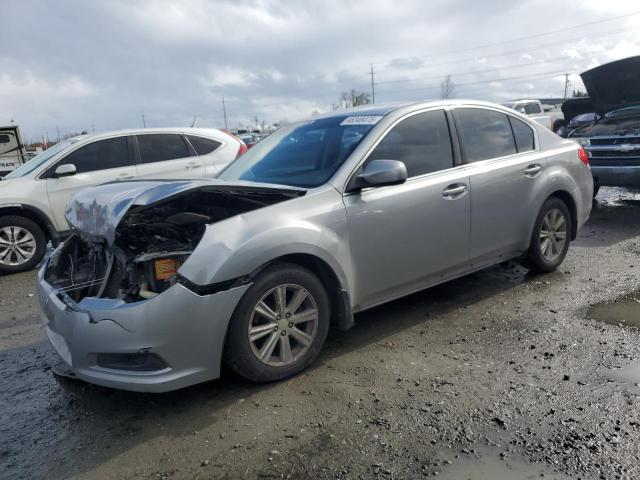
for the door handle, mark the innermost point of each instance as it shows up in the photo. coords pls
(125, 176)
(532, 170)
(454, 191)
(191, 165)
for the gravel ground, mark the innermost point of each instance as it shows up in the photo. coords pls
(498, 375)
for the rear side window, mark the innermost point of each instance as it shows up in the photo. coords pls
(484, 133)
(203, 145)
(523, 134)
(4, 138)
(100, 155)
(160, 147)
(421, 141)
(530, 108)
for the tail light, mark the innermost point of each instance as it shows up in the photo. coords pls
(583, 155)
(243, 148)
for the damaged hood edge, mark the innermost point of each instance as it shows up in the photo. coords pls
(96, 212)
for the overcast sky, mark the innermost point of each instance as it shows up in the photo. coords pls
(76, 65)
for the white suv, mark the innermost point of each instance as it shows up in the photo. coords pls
(33, 197)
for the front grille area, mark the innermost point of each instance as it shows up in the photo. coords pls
(615, 140)
(614, 151)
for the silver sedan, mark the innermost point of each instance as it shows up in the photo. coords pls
(162, 281)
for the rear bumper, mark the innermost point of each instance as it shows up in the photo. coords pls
(185, 330)
(616, 176)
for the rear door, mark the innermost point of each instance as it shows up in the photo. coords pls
(405, 236)
(167, 155)
(504, 171)
(102, 161)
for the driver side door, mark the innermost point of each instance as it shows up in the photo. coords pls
(406, 237)
(102, 161)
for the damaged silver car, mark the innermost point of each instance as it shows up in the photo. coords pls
(162, 281)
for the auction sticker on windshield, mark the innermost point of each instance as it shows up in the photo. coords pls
(362, 120)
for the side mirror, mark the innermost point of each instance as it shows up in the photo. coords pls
(65, 170)
(378, 173)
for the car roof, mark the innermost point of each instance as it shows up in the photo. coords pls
(139, 131)
(387, 108)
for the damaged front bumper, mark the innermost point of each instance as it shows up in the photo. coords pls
(164, 343)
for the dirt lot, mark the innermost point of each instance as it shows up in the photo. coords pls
(499, 375)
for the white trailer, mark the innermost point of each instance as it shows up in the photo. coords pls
(12, 150)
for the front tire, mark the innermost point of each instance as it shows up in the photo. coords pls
(550, 238)
(279, 326)
(22, 244)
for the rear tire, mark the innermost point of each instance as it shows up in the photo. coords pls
(22, 244)
(550, 238)
(280, 324)
(596, 189)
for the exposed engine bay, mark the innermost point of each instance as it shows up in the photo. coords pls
(151, 243)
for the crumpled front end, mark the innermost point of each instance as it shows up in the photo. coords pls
(114, 305)
(156, 345)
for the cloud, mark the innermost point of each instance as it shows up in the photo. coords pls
(73, 64)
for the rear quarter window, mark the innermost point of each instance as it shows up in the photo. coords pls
(202, 145)
(523, 135)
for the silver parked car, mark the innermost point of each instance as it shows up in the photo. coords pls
(163, 280)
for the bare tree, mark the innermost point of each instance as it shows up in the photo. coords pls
(447, 88)
(354, 98)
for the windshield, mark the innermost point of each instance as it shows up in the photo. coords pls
(621, 112)
(303, 155)
(40, 159)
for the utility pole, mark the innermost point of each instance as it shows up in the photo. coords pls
(373, 88)
(224, 112)
(566, 84)
(58, 130)
(144, 123)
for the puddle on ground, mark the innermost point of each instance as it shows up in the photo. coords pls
(629, 374)
(624, 311)
(493, 467)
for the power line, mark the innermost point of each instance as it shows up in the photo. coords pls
(504, 79)
(515, 52)
(474, 72)
(537, 35)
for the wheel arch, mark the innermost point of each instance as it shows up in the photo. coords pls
(341, 312)
(34, 214)
(570, 202)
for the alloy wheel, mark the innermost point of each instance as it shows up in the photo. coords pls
(553, 234)
(17, 245)
(283, 325)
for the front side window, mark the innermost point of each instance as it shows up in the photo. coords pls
(100, 155)
(203, 145)
(422, 142)
(484, 134)
(159, 147)
(523, 135)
